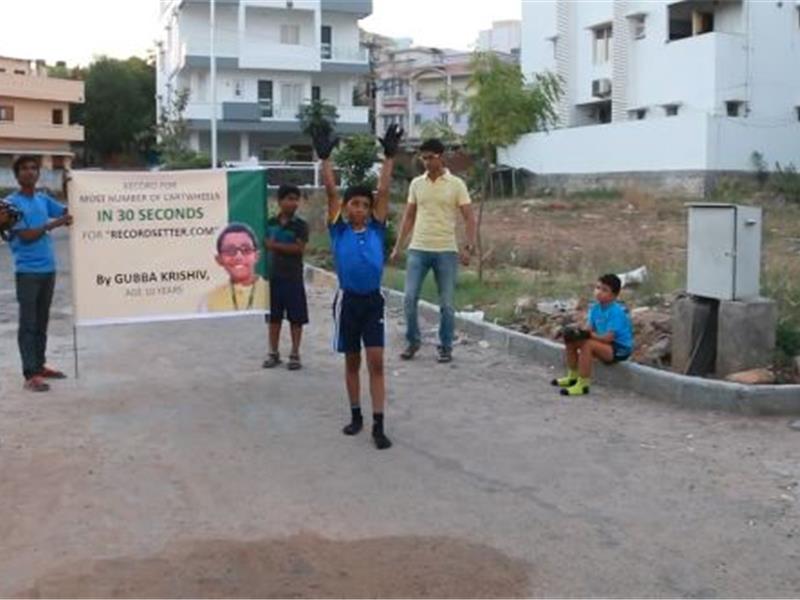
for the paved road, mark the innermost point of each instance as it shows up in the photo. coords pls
(176, 466)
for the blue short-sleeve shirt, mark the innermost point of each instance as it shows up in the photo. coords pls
(37, 256)
(612, 317)
(358, 255)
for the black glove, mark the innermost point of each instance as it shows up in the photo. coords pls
(391, 140)
(323, 143)
(570, 333)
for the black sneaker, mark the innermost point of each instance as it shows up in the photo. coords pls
(445, 355)
(410, 351)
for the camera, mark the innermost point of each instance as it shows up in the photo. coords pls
(572, 333)
(13, 217)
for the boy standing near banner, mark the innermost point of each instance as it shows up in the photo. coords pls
(287, 235)
(35, 267)
(357, 226)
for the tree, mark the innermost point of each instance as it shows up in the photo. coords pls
(317, 115)
(355, 159)
(501, 108)
(173, 136)
(120, 107)
(438, 130)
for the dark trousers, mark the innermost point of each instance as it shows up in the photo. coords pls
(34, 294)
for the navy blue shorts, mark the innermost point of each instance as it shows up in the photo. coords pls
(287, 299)
(358, 318)
(620, 353)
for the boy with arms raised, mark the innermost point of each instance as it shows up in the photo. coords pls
(357, 226)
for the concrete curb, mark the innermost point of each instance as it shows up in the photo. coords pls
(690, 392)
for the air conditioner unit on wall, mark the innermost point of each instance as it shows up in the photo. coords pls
(601, 88)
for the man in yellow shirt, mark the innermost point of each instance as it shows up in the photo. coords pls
(237, 253)
(434, 201)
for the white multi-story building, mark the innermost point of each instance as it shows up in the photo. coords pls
(504, 36)
(271, 56)
(692, 87)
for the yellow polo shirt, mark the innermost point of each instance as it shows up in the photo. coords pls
(229, 297)
(438, 205)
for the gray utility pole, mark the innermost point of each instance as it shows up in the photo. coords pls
(213, 61)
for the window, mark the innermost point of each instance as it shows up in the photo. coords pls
(19, 72)
(394, 87)
(603, 36)
(291, 95)
(637, 27)
(444, 118)
(554, 43)
(638, 114)
(58, 116)
(238, 88)
(265, 98)
(735, 108)
(418, 96)
(686, 21)
(316, 93)
(6, 113)
(290, 34)
(671, 110)
(2, 70)
(418, 117)
(327, 42)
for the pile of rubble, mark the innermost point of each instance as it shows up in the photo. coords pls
(652, 325)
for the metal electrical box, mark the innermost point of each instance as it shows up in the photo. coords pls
(724, 254)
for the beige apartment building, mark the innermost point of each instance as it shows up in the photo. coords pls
(34, 115)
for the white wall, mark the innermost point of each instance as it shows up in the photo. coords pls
(538, 24)
(675, 143)
(683, 143)
(195, 32)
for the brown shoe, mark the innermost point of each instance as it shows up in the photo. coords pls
(49, 373)
(36, 384)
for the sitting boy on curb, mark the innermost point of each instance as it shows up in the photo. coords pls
(608, 337)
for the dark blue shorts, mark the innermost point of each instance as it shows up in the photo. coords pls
(358, 318)
(287, 299)
(620, 353)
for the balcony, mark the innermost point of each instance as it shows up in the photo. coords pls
(353, 54)
(33, 87)
(36, 131)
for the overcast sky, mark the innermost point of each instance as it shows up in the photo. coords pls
(77, 30)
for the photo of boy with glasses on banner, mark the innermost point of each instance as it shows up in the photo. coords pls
(238, 253)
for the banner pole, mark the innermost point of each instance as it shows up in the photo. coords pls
(75, 347)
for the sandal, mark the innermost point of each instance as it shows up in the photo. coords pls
(273, 360)
(294, 362)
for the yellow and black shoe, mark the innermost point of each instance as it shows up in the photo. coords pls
(564, 382)
(579, 388)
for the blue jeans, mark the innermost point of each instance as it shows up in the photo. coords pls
(445, 269)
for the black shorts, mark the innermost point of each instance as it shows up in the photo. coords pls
(287, 299)
(358, 318)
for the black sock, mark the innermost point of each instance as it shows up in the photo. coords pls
(381, 441)
(356, 421)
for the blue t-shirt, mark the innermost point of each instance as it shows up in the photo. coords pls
(358, 255)
(612, 317)
(38, 256)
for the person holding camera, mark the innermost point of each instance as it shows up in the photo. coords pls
(607, 336)
(35, 267)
